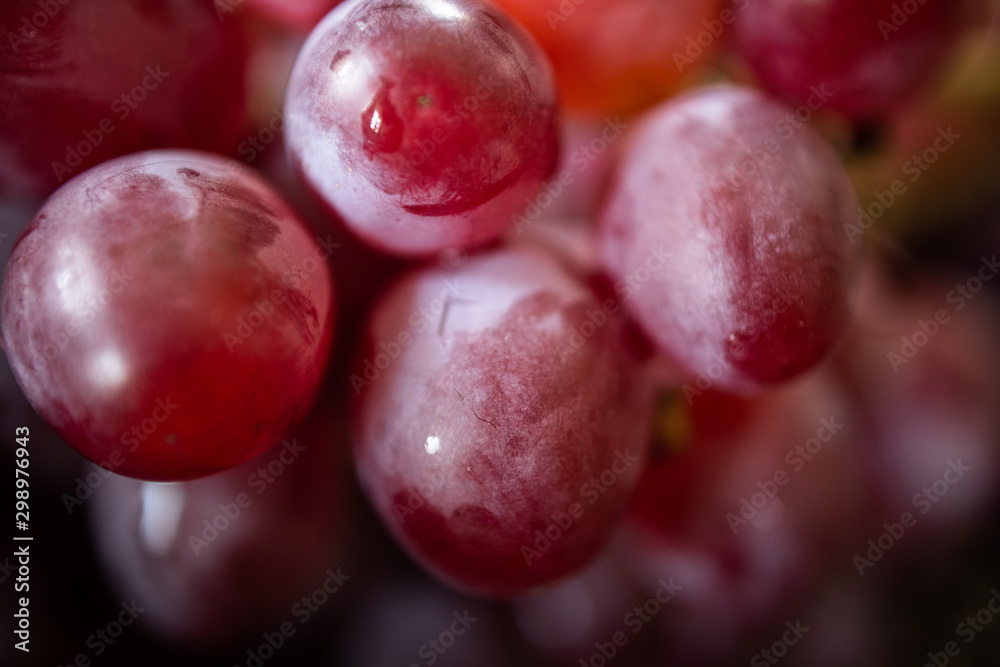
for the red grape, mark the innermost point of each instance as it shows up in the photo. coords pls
(216, 560)
(501, 420)
(167, 314)
(89, 80)
(615, 57)
(755, 502)
(724, 233)
(860, 57)
(426, 123)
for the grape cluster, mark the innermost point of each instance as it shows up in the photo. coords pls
(650, 331)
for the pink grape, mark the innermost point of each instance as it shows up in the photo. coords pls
(497, 400)
(723, 232)
(167, 314)
(425, 123)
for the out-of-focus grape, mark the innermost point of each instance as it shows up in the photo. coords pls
(723, 232)
(748, 506)
(89, 80)
(216, 561)
(612, 56)
(863, 58)
(926, 370)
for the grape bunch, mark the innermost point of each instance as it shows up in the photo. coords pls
(561, 332)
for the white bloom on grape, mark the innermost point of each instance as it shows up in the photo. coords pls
(109, 369)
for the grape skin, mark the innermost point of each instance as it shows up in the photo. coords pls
(492, 419)
(427, 125)
(122, 305)
(743, 279)
(869, 56)
(95, 79)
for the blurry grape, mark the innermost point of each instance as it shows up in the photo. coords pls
(218, 560)
(924, 364)
(749, 506)
(89, 80)
(863, 58)
(612, 56)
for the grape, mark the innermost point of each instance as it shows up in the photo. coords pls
(616, 57)
(723, 232)
(187, 550)
(426, 123)
(167, 314)
(863, 58)
(89, 80)
(923, 362)
(749, 504)
(496, 400)
(569, 618)
(430, 625)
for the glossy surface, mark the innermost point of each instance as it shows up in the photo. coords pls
(868, 56)
(723, 232)
(487, 415)
(167, 314)
(426, 124)
(89, 80)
